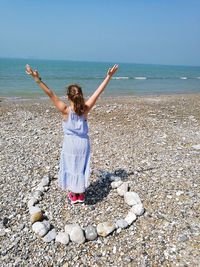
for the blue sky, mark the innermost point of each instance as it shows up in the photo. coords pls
(155, 32)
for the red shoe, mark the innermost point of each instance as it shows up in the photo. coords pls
(73, 197)
(81, 198)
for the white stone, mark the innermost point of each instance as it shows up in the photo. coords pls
(132, 198)
(116, 184)
(32, 201)
(138, 209)
(63, 238)
(51, 235)
(34, 209)
(69, 227)
(130, 218)
(121, 223)
(105, 228)
(41, 228)
(45, 181)
(115, 178)
(77, 235)
(197, 147)
(122, 189)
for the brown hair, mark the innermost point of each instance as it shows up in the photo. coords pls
(75, 94)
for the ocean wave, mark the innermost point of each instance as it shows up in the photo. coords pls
(183, 78)
(120, 78)
(140, 78)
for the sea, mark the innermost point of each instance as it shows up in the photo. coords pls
(130, 80)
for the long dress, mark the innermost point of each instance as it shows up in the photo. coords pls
(74, 168)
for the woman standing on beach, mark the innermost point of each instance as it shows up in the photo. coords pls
(75, 155)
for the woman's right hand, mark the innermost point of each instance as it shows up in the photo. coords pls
(34, 74)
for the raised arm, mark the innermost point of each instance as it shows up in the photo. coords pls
(92, 100)
(61, 106)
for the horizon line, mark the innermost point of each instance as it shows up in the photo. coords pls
(96, 61)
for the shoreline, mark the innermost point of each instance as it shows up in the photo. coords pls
(46, 98)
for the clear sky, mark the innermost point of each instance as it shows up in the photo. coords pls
(142, 31)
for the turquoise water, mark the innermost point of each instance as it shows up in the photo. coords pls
(131, 79)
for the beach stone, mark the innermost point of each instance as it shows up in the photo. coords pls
(2, 232)
(41, 228)
(62, 237)
(34, 209)
(121, 223)
(32, 201)
(90, 233)
(51, 235)
(40, 188)
(122, 189)
(132, 198)
(105, 228)
(38, 216)
(197, 147)
(115, 178)
(37, 194)
(130, 218)
(77, 235)
(116, 184)
(138, 209)
(69, 227)
(45, 181)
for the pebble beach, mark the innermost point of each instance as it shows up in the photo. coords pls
(150, 142)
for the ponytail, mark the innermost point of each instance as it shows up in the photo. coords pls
(75, 94)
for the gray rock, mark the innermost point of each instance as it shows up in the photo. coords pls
(132, 198)
(77, 235)
(130, 218)
(34, 209)
(90, 232)
(138, 209)
(41, 228)
(105, 228)
(122, 189)
(121, 223)
(116, 184)
(63, 238)
(51, 235)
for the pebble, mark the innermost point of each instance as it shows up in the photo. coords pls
(116, 184)
(105, 228)
(2, 232)
(90, 233)
(121, 223)
(62, 237)
(77, 235)
(37, 194)
(130, 218)
(197, 147)
(41, 228)
(37, 216)
(69, 227)
(34, 209)
(122, 189)
(115, 178)
(51, 235)
(138, 209)
(45, 181)
(132, 198)
(32, 202)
